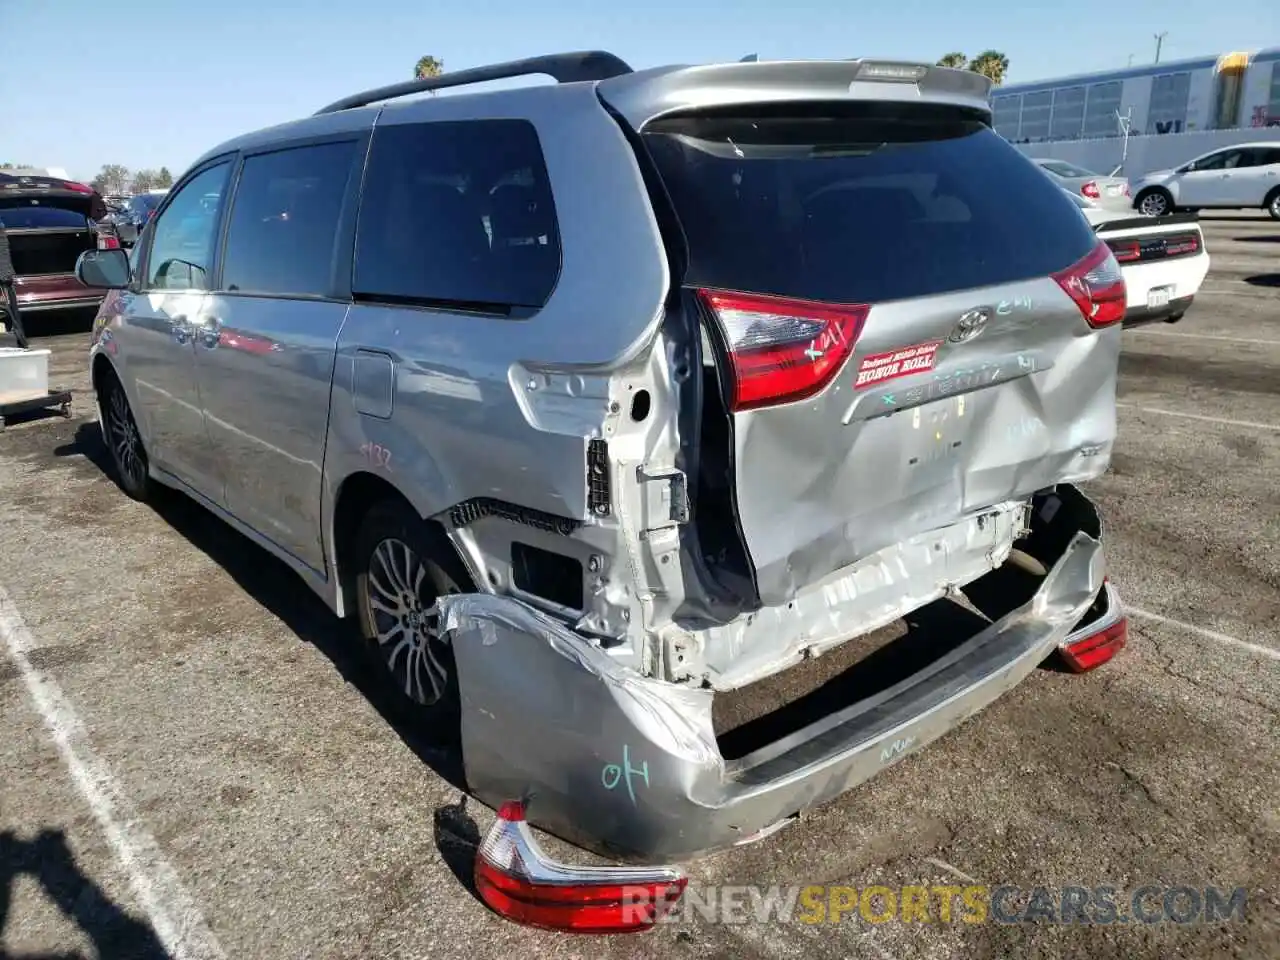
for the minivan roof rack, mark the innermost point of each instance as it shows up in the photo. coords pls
(561, 67)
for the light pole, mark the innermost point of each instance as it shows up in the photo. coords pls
(1160, 42)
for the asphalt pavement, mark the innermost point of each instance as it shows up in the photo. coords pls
(194, 763)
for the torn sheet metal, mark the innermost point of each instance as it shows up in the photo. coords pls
(628, 765)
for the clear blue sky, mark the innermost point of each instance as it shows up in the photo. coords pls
(148, 83)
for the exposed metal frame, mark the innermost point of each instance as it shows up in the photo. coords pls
(583, 65)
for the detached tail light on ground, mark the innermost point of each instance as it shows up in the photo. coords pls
(1091, 646)
(1096, 284)
(783, 349)
(519, 882)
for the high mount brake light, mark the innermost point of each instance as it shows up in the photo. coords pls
(1096, 284)
(519, 882)
(782, 349)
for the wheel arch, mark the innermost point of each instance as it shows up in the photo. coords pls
(357, 493)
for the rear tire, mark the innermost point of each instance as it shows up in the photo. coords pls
(1154, 202)
(1272, 203)
(403, 565)
(124, 440)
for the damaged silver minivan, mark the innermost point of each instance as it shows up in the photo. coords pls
(593, 401)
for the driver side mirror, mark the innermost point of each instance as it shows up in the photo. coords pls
(105, 269)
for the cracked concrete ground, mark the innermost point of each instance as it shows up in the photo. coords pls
(305, 820)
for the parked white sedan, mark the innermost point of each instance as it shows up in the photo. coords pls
(1164, 261)
(1239, 177)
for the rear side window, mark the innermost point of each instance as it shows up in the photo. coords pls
(41, 218)
(457, 214)
(860, 203)
(284, 220)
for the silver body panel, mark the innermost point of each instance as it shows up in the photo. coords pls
(857, 506)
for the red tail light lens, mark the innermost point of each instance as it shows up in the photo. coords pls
(1125, 190)
(1092, 652)
(1126, 252)
(76, 187)
(783, 349)
(1090, 190)
(519, 882)
(1096, 284)
(108, 243)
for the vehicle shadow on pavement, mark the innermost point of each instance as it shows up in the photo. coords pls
(1264, 280)
(277, 588)
(48, 859)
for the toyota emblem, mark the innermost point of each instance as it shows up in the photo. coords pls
(971, 324)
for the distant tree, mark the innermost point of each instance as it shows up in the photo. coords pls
(164, 179)
(955, 60)
(111, 179)
(144, 180)
(992, 64)
(428, 66)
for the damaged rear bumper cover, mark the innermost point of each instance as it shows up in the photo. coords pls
(628, 766)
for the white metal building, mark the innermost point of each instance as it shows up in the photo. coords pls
(1200, 103)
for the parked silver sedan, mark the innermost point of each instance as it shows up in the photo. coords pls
(1111, 193)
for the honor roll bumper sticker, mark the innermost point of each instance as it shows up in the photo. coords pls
(879, 367)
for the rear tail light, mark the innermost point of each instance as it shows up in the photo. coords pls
(77, 187)
(1125, 190)
(519, 882)
(1090, 190)
(1093, 651)
(1096, 284)
(782, 349)
(1125, 252)
(1182, 246)
(108, 243)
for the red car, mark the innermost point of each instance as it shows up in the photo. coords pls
(48, 223)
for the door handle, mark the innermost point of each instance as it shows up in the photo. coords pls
(210, 332)
(179, 330)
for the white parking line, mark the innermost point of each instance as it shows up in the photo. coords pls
(1207, 336)
(1197, 416)
(169, 908)
(1269, 652)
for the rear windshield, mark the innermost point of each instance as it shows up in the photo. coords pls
(40, 218)
(1064, 169)
(865, 203)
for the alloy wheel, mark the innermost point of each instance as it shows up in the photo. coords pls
(1154, 204)
(126, 444)
(406, 621)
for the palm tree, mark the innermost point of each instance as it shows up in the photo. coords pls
(428, 66)
(992, 64)
(956, 60)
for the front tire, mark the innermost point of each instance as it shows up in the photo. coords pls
(1272, 203)
(403, 566)
(124, 440)
(1155, 202)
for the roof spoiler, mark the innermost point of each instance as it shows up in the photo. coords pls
(561, 67)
